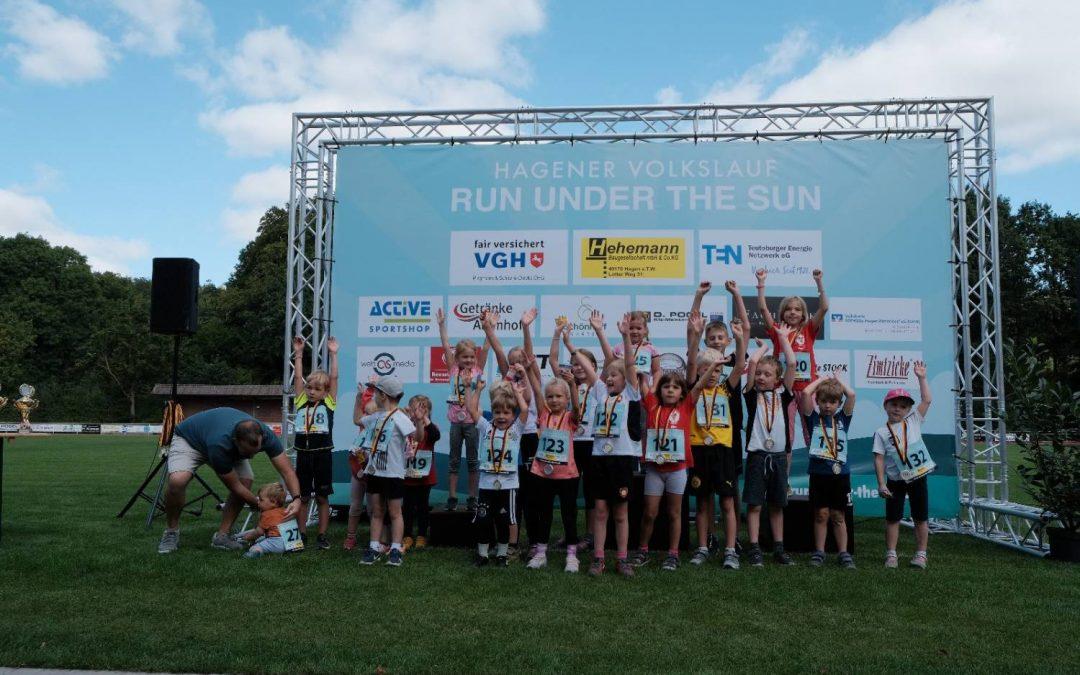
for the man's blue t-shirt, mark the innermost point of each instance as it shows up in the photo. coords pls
(843, 424)
(210, 432)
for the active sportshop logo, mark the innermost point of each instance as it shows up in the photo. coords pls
(397, 315)
(633, 258)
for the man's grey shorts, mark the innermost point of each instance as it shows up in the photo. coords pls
(183, 457)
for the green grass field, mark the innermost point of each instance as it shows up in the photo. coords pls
(79, 588)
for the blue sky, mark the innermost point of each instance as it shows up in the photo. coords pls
(143, 128)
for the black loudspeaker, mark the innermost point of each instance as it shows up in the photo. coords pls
(174, 296)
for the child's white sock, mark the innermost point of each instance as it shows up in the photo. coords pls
(375, 546)
(500, 550)
(395, 547)
(483, 549)
(891, 552)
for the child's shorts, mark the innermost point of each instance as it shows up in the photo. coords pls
(829, 491)
(659, 483)
(716, 471)
(266, 546)
(766, 479)
(916, 492)
(389, 488)
(315, 471)
(611, 477)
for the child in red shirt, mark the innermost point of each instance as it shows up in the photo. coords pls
(420, 474)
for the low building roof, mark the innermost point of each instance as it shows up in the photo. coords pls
(222, 390)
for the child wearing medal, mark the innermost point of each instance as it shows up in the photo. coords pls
(830, 475)
(646, 356)
(768, 398)
(313, 425)
(716, 440)
(500, 443)
(420, 474)
(794, 313)
(902, 462)
(391, 447)
(616, 429)
(554, 470)
(583, 440)
(468, 363)
(668, 414)
(714, 333)
(358, 456)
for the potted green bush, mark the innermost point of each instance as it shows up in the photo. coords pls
(1045, 416)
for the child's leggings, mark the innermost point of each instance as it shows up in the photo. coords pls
(543, 501)
(415, 508)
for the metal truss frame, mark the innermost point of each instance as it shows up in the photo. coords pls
(964, 124)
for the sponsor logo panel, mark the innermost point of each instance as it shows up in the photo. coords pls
(790, 256)
(536, 257)
(834, 361)
(463, 315)
(398, 315)
(890, 319)
(401, 362)
(438, 366)
(576, 310)
(885, 369)
(626, 257)
(668, 314)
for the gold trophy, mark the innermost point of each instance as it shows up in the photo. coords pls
(3, 402)
(24, 404)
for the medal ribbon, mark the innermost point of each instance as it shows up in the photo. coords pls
(830, 444)
(378, 432)
(896, 443)
(662, 432)
(458, 391)
(502, 451)
(307, 418)
(770, 405)
(710, 408)
(609, 412)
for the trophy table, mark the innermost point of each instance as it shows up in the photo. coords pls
(24, 404)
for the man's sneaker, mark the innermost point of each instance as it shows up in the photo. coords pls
(481, 561)
(470, 504)
(919, 560)
(817, 558)
(624, 568)
(349, 543)
(406, 543)
(671, 563)
(421, 542)
(731, 560)
(757, 559)
(890, 561)
(700, 556)
(170, 540)
(846, 561)
(638, 559)
(226, 542)
(322, 543)
(371, 556)
(572, 564)
(596, 568)
(782, 557)
(395, 558)
(586, 544)
(537, 561)
(451, 504)
(502, 561)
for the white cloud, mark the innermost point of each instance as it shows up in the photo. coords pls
(669, 96)
(1022, 53)
(156, 26)
(782, 58)
(252, 195)
(53, 47)
(34, 216)
(388, 54)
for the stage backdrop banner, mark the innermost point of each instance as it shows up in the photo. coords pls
(568, 228)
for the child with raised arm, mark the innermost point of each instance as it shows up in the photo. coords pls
(266, 538)
(554, 469)
(313, 423)
(616, 429)
(768, 445)
(466, 361)
(391, 447)
(646, 356)
(420, 474)
(358, 456)
(794, 313)
(500, 443)
(830, 475)
(583, 441)
(715, 333)
(902, 462)
(716, 442)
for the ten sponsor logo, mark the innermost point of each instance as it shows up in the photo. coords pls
(397, 315)
(725, 254)
(788, 255)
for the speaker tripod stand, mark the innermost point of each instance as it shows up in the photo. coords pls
(173, 416)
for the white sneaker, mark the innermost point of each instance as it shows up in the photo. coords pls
(537, 561)
(170, 540)
(226, 542)
(571, 564)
